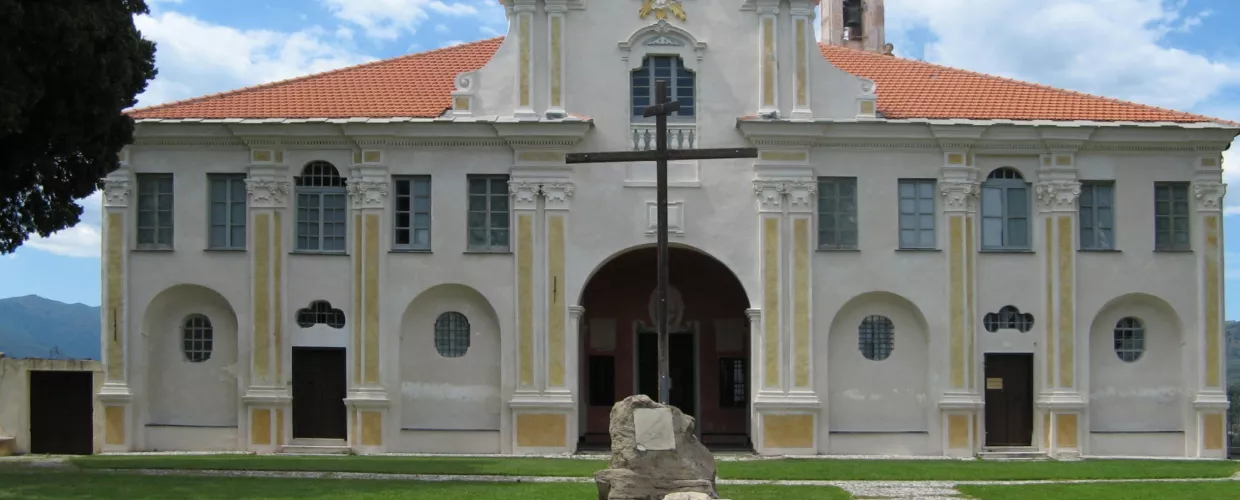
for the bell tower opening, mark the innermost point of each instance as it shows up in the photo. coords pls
(859, 24)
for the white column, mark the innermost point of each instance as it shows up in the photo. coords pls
(367, 399)
(768, 53)
(524, 27)
(557, 57)
(557, 195)
(115, 395)
(804, 52)
(962, 400)
(267, 396)
(1210, 403)
(1061, 403)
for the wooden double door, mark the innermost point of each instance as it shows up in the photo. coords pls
(1009, 400)
(61, 412)
(320, 384)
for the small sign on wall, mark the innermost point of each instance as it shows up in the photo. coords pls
(994, 384)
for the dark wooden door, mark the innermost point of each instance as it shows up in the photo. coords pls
(61, 412)
(1009, 399)
(319, 388)
(681, 367)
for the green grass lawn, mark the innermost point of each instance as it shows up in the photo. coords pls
(797, 469)
(82, 486)
(1111, 491)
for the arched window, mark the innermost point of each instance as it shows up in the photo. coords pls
(197, 338)
(322, 209)
(451, 335)
(1129, 339)
(1008, 318)
(876, 337)
(1005, 211)
(680, 85)
(320, 312)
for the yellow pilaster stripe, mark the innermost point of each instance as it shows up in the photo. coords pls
(1050, 308)
(358, 368)
(800, 305)
(262, 297)
(1212, 319)
(115, 266)
(770, 313)
(371, 303)
(1067, 305)
(557, 308)
(278, 300)
(956, 299)
(524, 28)
(525, 296)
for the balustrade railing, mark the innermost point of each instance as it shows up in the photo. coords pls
(679, 136)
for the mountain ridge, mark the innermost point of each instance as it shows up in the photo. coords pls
(36, 327)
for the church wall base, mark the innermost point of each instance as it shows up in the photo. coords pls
(913, 443)
(448, 441)
(178, 438)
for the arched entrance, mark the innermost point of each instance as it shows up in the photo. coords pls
(708, 358)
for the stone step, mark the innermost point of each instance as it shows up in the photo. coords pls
(1014, 453)
(310, 449)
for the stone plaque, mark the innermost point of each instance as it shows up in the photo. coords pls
(653, 429)
(603, 334)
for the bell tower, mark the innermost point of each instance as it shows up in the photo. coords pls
(854, 23)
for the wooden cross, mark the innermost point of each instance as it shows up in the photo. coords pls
(661, 155)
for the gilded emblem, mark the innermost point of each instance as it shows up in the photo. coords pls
(661, 9)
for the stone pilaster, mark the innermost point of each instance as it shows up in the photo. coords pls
(367, 399)
(786, 405)
(962, 402)
(768, 53)
(803, 52)
(115, 395)
(522, 19)
(557, 55)
(1210, 402)
(267, 396)
(1060, 402)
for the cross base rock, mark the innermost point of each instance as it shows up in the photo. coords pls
(651, 459)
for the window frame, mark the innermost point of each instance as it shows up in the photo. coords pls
(156, 179)
(880, 331)
(197, 348)
(1134, 344)
(673, 88)
(454, 324)
(229, 224)
(1092, 187)
(820, 212)
(488, 248)
(1186, 217)
(934, 211)
(323, 193)
(1005, 186)
(412, 227)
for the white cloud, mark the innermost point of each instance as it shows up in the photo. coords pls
(82, 240)
(195, 57)
(389, 19)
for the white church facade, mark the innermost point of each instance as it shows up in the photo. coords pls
(395, 257)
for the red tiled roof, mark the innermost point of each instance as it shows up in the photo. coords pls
(420, 86)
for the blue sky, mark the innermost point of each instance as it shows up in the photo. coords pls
(1182, 54)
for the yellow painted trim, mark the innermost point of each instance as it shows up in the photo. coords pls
(541, 156)
(260, 426)
(1214, 428)
(357, 299)
(114, 263)
(372, 156)
(557, 61)
(1209, 162)
(955, 159)
(958, 428)
(1066, 430)
(788, 431)
(768, 61)
(357, 157)
(277, 303)
(114, 422)
(1063, 160)
(542, 430)
(1046, 430)
(557, 309)
(262, 297)
(1050, 308)
(867, 108)
(371, 302)
(800, 305)
(279, 156)
(956, 300)
(770, 334)
(372, 428)
(279, 427)
(1212, 317)
(1067, 305)
(787, 156)
(525, 296)
(970, 329)
(261, 155)
(802, 87)
(461, 103)
(524, 30)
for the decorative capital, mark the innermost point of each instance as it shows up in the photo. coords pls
(1057, 195)
(801, 194)
(575, 312)
(958, 195)
(116, 192)
(770, 194)
(1209, 195)
(662, 9)
(557, 194)
(267, 193)
(524, 194)
(368, 194)
(754, 315)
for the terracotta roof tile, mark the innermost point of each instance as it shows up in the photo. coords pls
(420, 85)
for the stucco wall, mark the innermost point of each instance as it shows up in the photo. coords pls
(15, 396)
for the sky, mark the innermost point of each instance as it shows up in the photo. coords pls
(1180, 54)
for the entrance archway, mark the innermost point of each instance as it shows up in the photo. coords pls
(708, 347)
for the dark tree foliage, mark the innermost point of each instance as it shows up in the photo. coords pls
(68, 68)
